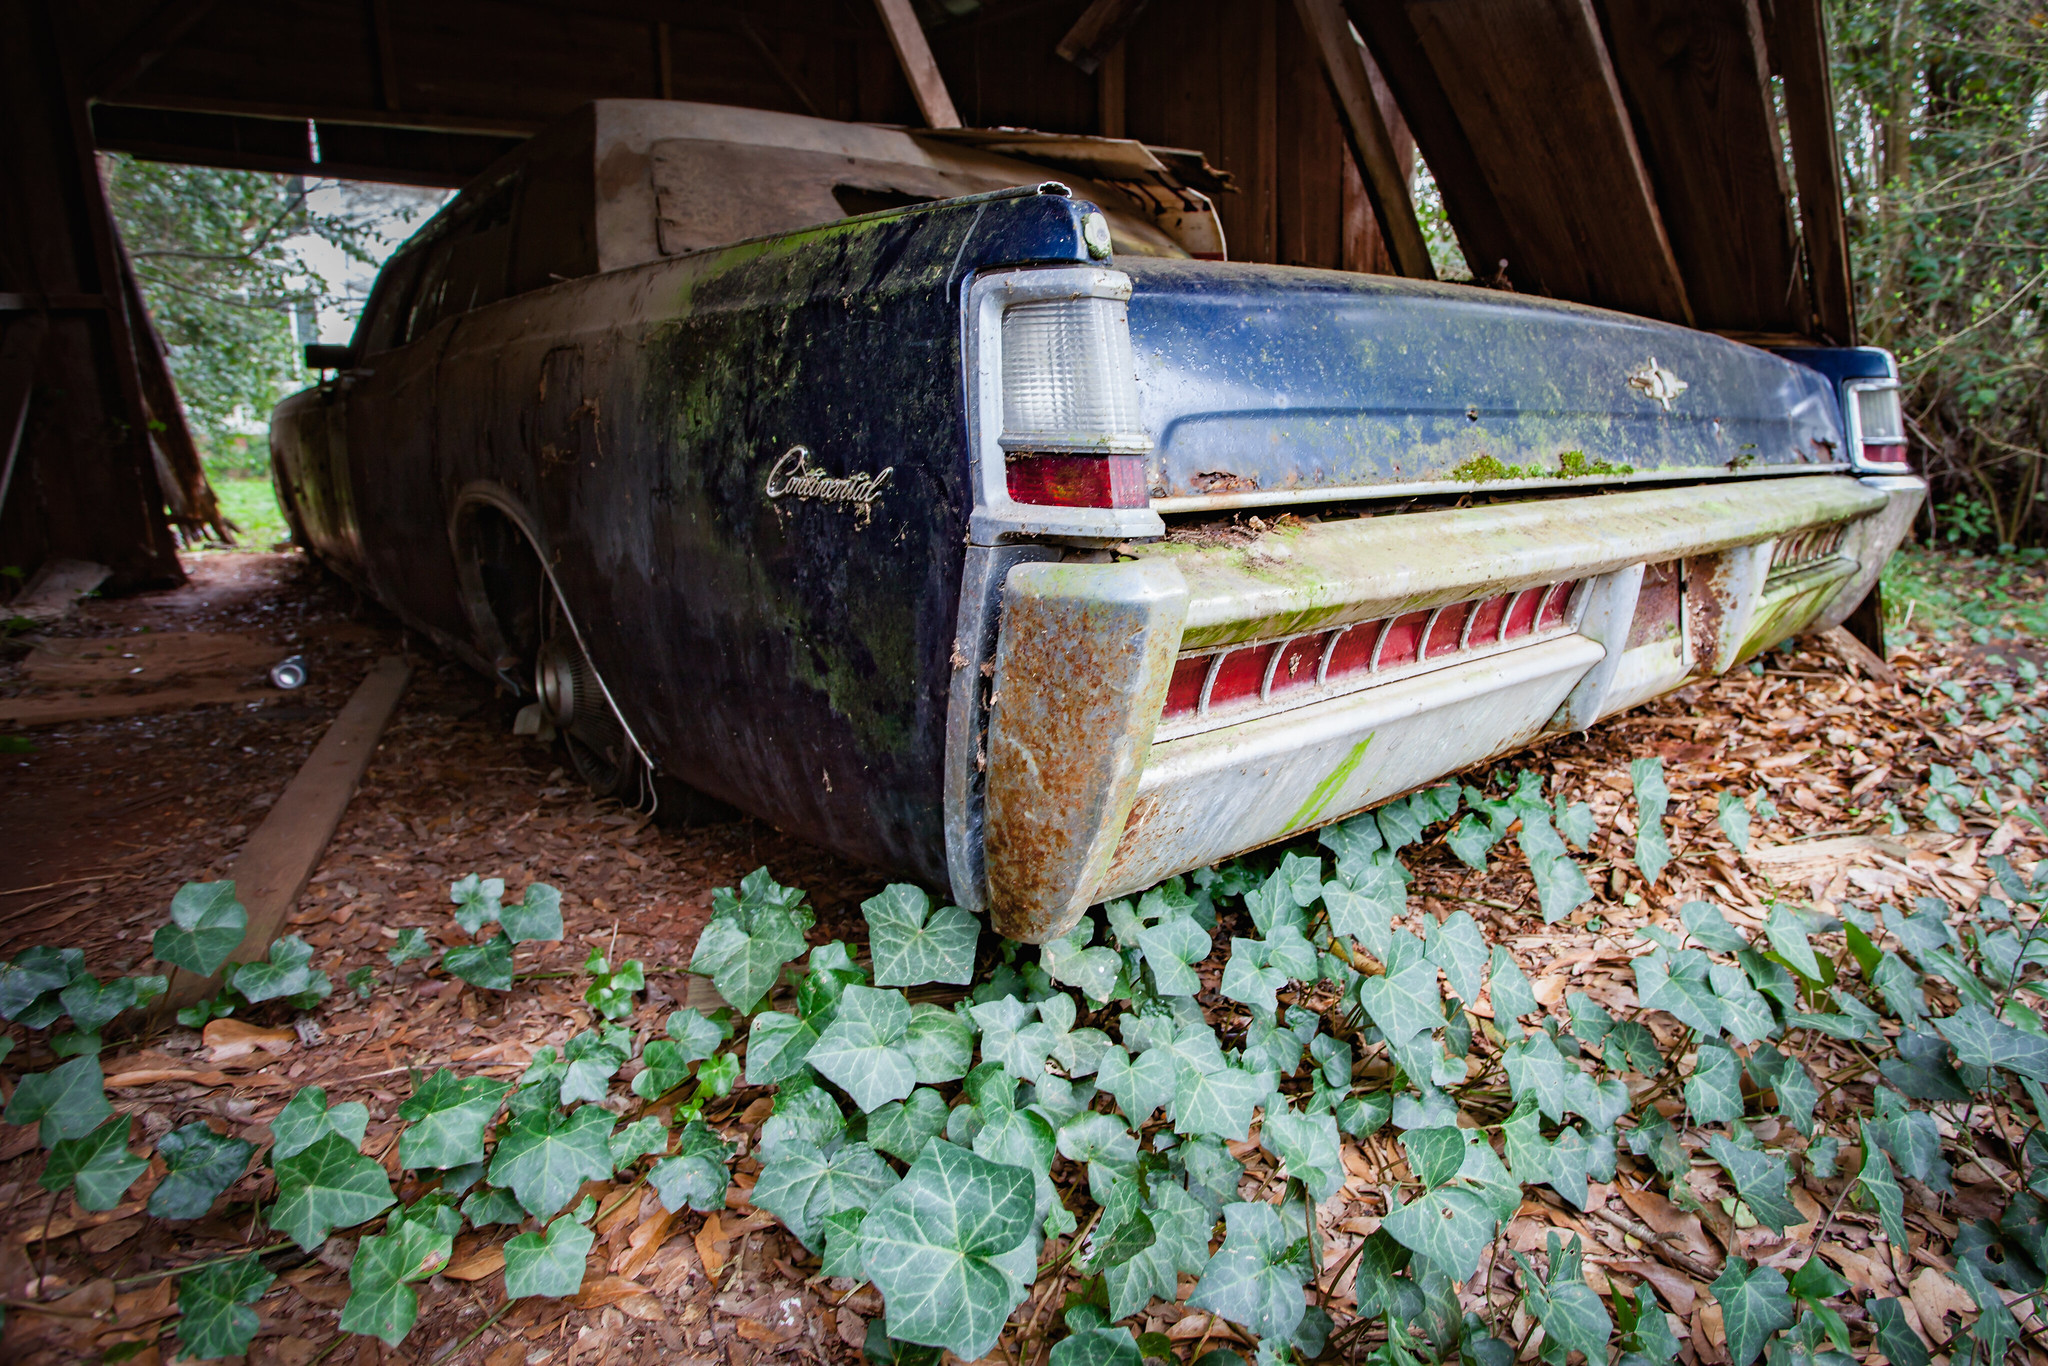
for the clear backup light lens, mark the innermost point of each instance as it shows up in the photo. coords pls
(1882, 424)
(1069, 381)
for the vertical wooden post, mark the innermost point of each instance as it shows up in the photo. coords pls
(1109, 92)
(1802, 47)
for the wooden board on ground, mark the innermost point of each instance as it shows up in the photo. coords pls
(280, 856)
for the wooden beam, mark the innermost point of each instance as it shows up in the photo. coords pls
(272, 869)
(1698, 80)
(19, 356)
(1098, 32)
(1801, 43)
(387, 53)
(1536, 93)
(149, 40)
(1110, 97)
(914, 54)
(1343, 63)
(1469, 202)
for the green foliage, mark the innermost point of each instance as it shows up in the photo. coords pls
(214, 1317)
(914, 942)
(750, 937)
(207, 925)
(415, 1244)
(286, 973)
(487, 965)
(325, 1186)
(446, 1118)
(99, 1164)
(543, 1156)
(201, 1164)
(611, 990)
(1939, 110)
(950, 1248)
(549, 1262)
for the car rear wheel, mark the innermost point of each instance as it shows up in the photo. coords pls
(573, 699)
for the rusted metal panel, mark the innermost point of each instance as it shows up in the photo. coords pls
(1082, 665)
(1213, 795)
(1724, 589)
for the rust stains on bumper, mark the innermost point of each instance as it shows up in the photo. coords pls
(1083, 660)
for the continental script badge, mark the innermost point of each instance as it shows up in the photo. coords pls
(793, 476)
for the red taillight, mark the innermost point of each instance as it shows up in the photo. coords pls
(1353, 653)
(1554, 605)
(1486, 620)
(1884, 453)
(1079, 481)
(1184, 693)
(1240, 675)
(1402, 643)
(1447, 631)
(1298, 661)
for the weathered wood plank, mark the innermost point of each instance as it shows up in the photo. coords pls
(1697, 78)
(1343, 65)
(1468, 199)
(1542, 109)
(1098, 32)
(1800, 41)
(272, 869)
(906, 35)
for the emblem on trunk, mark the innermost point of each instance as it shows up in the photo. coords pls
(793, 476)
(1657, 384)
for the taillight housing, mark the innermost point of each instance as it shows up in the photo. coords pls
(1877, 421)
(1054, 418)
(1071, 434)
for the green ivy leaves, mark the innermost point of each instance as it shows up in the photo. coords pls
(325, 1186)
(914, 942)
(98, 1165)
(550, 1262)
(1256, 1275)
(207, 924)
(750, 937)
(950, 1248)
(543, 1156)
(447, 1117)
(865, 1051)
(201, 1164)
(214, 1317)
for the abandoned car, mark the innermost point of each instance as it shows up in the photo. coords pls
(949, 499)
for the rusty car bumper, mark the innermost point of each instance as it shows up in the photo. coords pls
(1187, 702)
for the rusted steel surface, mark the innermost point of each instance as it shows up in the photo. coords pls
(1081, 672)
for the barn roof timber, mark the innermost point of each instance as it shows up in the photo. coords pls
(1671, 158)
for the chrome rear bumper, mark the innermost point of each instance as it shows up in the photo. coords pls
(1189, 703)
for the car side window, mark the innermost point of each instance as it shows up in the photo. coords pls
(383, 317)
(465, 266)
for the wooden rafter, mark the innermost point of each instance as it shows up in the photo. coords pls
(1343, 65)
(1098, 32)
(906, 35)
(149, 40)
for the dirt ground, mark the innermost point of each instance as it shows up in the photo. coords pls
(106, 819)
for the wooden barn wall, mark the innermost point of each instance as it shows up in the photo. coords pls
(1236, 79)
(83, 484)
